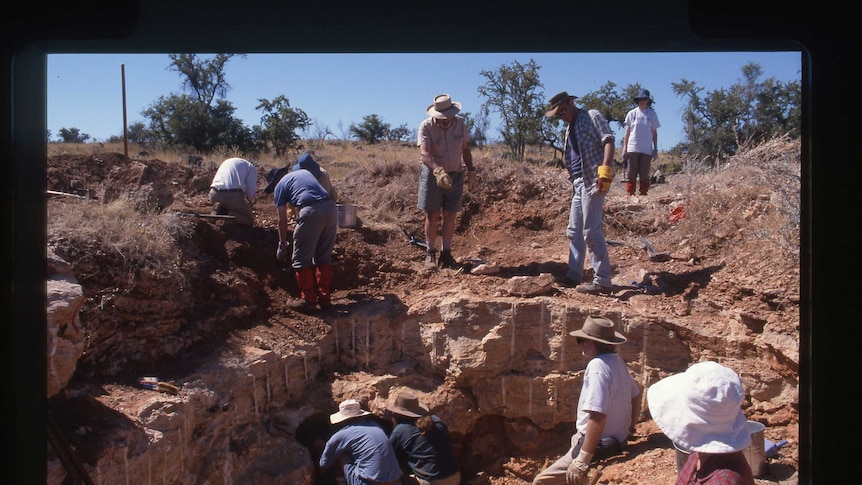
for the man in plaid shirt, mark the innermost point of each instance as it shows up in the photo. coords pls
(589, 155)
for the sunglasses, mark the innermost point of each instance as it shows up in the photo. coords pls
(580, 340)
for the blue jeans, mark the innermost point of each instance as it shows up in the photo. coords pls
(585, 231)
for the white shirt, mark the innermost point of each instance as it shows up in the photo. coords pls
(608, 389)
(642, 123)
(236, 173)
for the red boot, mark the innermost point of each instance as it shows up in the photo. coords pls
(307, 289)
(630, 188)
(324, 281)
(644, 187)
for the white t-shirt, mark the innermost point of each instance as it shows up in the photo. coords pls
(237, 173)
(608, 389)
(641, 123)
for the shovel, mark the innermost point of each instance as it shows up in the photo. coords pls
(653, 254)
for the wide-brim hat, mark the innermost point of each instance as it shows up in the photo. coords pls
(443, 107)
(407, 404)
(307, 162)
(700, 409)
(348, 409)
(273, 176)
(643, 94)
(599, 329)
(556, 102)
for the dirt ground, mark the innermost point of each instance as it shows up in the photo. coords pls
(722, 251)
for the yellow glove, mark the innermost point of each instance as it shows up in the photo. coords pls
(471, 180)
(292, 212)
(444, 181)
(606, 176)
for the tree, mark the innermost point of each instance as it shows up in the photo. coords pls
(198, 121)
(138, 133)
(73, 135)
(717, 123)
(281, 124)
(204, 78)
(477, 126)
(513, 92)
(371, 130)
(402, 133)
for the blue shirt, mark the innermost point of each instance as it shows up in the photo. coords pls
(299, 188)
(365, 444)
(429, 455)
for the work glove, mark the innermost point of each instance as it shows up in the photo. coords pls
(606, 176)
(471, 180)
(283, 252)
(444, 181)
(654, 154)
(578, 469)
(292, 212)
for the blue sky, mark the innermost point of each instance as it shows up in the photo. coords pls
(84, 91)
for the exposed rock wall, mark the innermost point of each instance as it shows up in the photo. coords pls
(241, 419)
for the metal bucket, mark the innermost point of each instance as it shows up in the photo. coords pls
(347, 215)
(681, 457)
(755, 454)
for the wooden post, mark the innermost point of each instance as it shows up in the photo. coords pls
(125, 129)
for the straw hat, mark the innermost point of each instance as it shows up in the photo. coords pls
(599, 329)
(699, 409)
(407, 404)
(557, 101)
(443, 107)
(348, 409)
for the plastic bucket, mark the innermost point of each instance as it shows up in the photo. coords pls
(755, 454)
(346, 215)
(681, 457)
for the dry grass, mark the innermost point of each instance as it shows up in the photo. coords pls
(752, 199)
(144, 242)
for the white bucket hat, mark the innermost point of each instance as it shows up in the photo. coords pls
(347, 410)
(443, 107)
(699, 409)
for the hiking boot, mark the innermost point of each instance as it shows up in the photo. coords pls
(431, 259)
(569, 282)
(446, 259)
(594, 289)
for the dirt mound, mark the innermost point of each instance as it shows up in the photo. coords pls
(730, 235)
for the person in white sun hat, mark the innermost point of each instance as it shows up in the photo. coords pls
(700, 411)
(361, 447)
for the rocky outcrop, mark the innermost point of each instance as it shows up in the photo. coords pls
(254, 414)
(65, 337)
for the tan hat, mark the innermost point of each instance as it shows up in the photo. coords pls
(347, 410)
(407, 404)
(599, 329)
(443, 107)
(557, 101)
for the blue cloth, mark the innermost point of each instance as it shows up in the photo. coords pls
(428, 455)
(306, 162)
(299, 189)
(366, 448)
